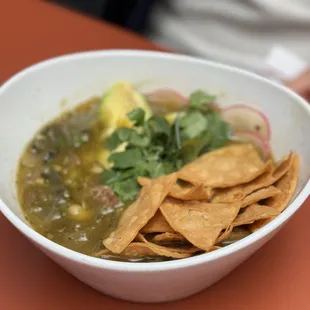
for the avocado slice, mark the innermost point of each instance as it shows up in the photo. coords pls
(119, 100)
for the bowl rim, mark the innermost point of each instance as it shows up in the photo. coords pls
(141, 267)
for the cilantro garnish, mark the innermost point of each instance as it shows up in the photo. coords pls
(155, 148)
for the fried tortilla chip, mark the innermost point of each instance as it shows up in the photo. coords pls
(174, 252)
(214, 248)
(157, 224)
(141, 250)
(143, 181)
(139, 213)
(189, 191)
(235, 234)
(228, 195)
(134, 250)
(138, 249)
(286, 185)
(169, 237)
(248, 200)
(237, 193)
(200, 222)
(224, 234)
(261, 194)
(269, 177)
(225, 167)
(184, 191)
(254, 213)
(283, 166)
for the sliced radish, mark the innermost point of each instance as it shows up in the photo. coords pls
(262, 146)
(245, 118)
(166, 100)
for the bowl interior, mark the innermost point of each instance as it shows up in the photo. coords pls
(40, 93)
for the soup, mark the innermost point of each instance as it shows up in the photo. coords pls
(137, 177)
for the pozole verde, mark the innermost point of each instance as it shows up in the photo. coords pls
(152, 177)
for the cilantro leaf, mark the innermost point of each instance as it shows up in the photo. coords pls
(112, 142)
(137, 116)
(159, 126)
(127, 189)
(199, 98)
(127, 159)
(169, 167)
(219, 130)
(155, 169)
(141, 140)
(153, 152)
(110, 176)
(124, 133)
(193, 124)
(191, 149)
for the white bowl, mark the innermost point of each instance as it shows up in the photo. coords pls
(33, 97)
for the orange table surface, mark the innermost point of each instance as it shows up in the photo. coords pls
(276, 277)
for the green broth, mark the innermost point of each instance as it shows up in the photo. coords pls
(59, 169)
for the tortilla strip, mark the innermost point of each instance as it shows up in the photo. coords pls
(200, 222)
(139, 213)
(228, 195)
(190, 192)
(225, 234)
(141, 250)
(175, 252)
(184, 192)
(169, 237)
(269, 177)
(287, 185)
(225, 167)
(157, 224)
(214, 248)
(247, 201)
(283, 166)
(143, 181)
(252, 213)
(235, 234)
(261, 194)
(237, 193)
(134, 250)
